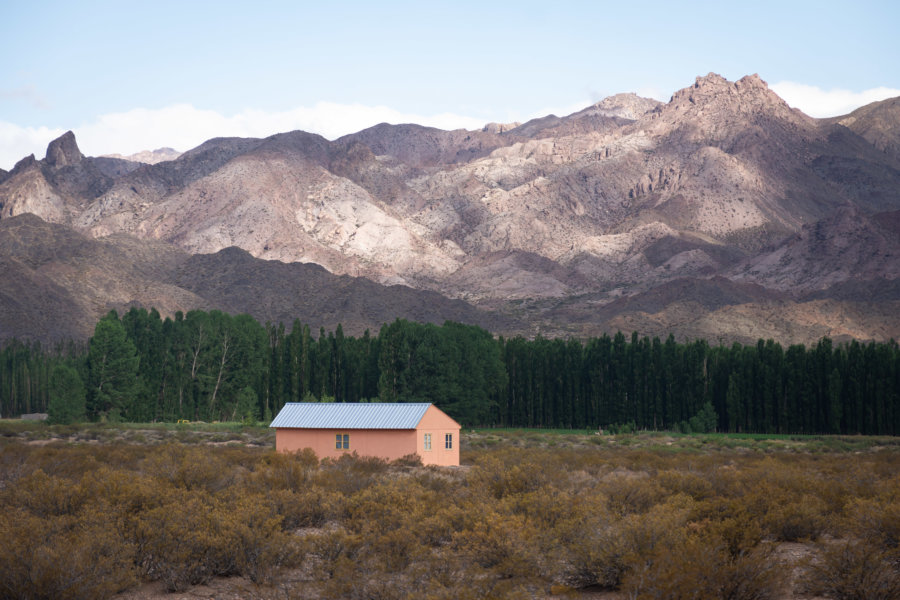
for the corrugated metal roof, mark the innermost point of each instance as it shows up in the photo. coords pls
(339, 415)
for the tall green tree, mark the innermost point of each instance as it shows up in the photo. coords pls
(113, 363)
(67, 395)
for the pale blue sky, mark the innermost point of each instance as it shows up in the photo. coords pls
(128, 76)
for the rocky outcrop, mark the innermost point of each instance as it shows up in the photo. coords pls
(148, 157)
(878, 123)
(63, 151)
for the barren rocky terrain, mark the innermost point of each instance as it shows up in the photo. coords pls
(723, 213)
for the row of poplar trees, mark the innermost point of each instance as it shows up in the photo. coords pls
(213, 366)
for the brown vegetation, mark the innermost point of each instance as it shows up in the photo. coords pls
(86, 520)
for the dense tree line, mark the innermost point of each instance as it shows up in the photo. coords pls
(25, 369)
(214, 366)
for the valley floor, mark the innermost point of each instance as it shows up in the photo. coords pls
(211, 511)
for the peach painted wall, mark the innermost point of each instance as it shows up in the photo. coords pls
(438, 424)
(383, 443)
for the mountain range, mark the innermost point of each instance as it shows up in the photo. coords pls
(723, 214)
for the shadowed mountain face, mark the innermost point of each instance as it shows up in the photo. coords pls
(57, 283)
(723, 205)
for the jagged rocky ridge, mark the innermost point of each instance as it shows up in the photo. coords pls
(722, 213)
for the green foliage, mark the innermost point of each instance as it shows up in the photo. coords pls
(67, 396)
(113, 363)
(204, 366)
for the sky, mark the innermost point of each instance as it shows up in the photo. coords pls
(132, 76)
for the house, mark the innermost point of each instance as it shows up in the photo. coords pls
(385, 430)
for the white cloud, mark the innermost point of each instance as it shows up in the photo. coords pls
(183, 127)
(820, 103)
(18, 142)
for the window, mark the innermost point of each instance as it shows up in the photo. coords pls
(428, 441)
(448, 441)
(342, 441)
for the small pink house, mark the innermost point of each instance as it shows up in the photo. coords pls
(384, 430)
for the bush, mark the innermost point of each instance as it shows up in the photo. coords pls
(854, 571)
(62, 557)
(699, 570)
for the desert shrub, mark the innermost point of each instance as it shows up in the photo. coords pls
(501, 543)
(692, 484)
(630, 494)
(350, 473)
(332, 550)
(875, 520)
(437, 525)
(795, 520)
(62, 557)
(191, 468)
(608, 549)
(699, 570)
(122, 492)
(854, 571)
(309, 508)
(499, 478)
(47, 495)
(178, 542)
(252, 533)
(386, 506)
(409, 460)
(284, 471)
(727, 519)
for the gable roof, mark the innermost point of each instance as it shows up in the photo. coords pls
(341, 415)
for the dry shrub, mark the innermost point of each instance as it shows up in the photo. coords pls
(332, 551)
(252, 530)
(630, 494)
(437, 525)
(62, 557)
(607, 551)
(125, 493)
(854, 571)
(309, 508)
(796, 520)
(284, 471)
(407, 460)
(875, 520)
(47, 495)
(194, 536)
(499, 478)
(350, 473)
(698, 570)
(191, 468)
(679, 482)
(177, 542)
(386, 506)
(502, 544)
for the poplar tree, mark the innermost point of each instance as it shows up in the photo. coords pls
(67, 396)
(113, 363)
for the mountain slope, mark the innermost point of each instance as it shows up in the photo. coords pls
(56, 283)
(628, 207)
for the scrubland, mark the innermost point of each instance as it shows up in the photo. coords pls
(97, 512)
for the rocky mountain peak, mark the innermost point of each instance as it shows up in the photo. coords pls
(713, 87)
(500, 127)
(64, 151)
(625, 106)
(23, 164)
